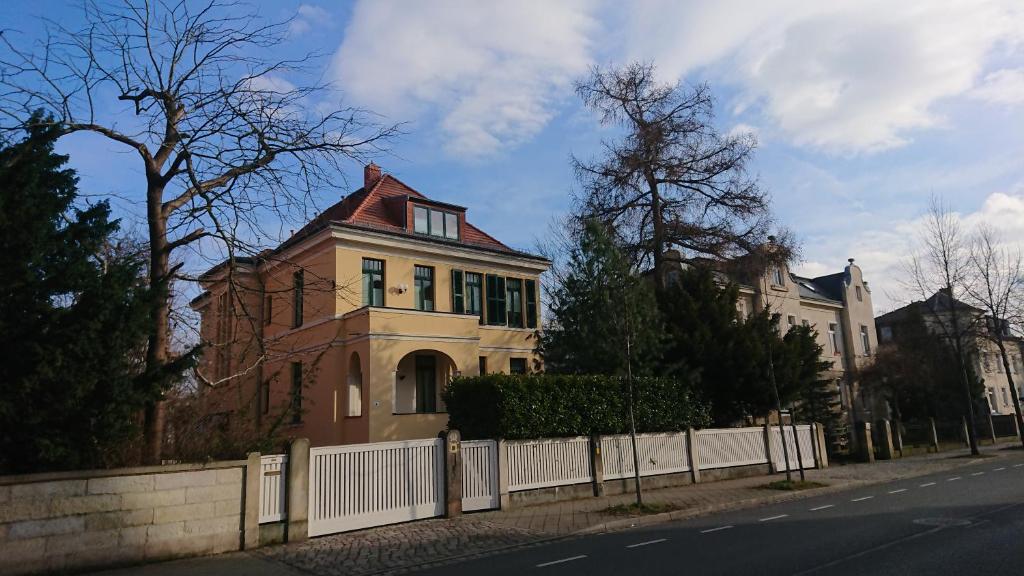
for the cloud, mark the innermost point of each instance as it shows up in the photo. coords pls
(307, 17)
(847, 76)
(489, 75)
(1002, 87)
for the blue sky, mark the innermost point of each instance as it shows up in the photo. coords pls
(863, 109)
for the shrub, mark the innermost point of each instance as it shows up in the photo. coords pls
(552, 405)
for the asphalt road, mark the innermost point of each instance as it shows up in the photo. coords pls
(967, 521)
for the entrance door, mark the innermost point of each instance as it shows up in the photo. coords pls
(426, 384)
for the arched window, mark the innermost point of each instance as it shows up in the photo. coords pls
(355, 386)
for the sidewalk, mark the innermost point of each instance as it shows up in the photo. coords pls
(406, 547)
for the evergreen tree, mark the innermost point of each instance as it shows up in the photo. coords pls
(73, 319)
(594, 306)
(816, 398)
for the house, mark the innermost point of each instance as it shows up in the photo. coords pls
(837, 306)
(348, 331)
(978, 330)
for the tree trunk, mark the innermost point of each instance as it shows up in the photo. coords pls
(658, 240)
(157, 353)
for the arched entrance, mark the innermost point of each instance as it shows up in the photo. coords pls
(420, 377)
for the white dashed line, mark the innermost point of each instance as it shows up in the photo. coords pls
(710, 530)
(927, 485)
(953, 478)
(1018, 465)
(897, 491)
(976, 473)
(639, 544)
(569, 559)
(861, 499)
(822, 507)
(773, 517)
(1000, 469)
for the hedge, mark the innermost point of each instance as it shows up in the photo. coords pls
(514, 406)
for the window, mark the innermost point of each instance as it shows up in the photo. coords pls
(373, 282)
(298, 284)
(992, 399)
(268, 310)
(805, 323)
(435, 222)
(531, 303)
(777, 276)
(296, 392)
(496, 300)
(517, 365)
(474, 295)
(792, 320)
(833, 337)
(483, 365)
(860, 295)
(458, 293)
(886, 333)
(999, 363)
(865, 340)
(424, 286)
(514, 302)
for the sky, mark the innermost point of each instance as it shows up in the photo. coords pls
(864, 110)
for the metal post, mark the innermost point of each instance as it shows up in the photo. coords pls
(796, 440)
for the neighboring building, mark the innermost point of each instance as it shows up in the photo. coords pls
(349, 331)
(838, 307)
(982, 351)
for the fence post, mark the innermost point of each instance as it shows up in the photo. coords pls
(504, 502)
(991, 427)
(963, 430)
(452, 473)
(297, 488)
(251, 502)
(814, 443)
(898, 437)
(867, 448)
(822, 447)
(597, 464)
(768, 447)
(691, 455)
(935, 434)
(886, 451)
(1016, 427)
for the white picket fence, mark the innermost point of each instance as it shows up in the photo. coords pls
(352, 487)
(725, 447)
(806, 447)
(273, 475)
(553, 462)
(479, 475)
(659, 454)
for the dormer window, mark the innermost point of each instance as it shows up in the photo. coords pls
(434, 222)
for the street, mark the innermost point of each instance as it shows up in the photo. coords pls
(966, 521)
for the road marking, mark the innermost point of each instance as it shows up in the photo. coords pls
(862, 498)
(710, 530)
(953, 478)
(999, 469)
(1018, 465)
(976, 473)
(927, 485)
(773, 517)
(897, 491)
(639, 544)
(822, 507)
(569, 559)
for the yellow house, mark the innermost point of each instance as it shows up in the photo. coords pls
(349, 331)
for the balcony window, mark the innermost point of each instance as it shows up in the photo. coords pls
(833, 337)
(531, 303)
(296, 407)
(777, 276)
(474, 294)
(433, 222)
(458, 293)
(373, 282)
(496, 314)
(514, 302)
(424, 288)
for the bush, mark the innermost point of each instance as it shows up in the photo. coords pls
(551, 405)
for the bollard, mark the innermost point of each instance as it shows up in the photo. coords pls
(885, 448)
(867, 449)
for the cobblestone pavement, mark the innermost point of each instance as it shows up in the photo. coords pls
(406, 547)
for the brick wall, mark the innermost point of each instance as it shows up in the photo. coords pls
(79, 520)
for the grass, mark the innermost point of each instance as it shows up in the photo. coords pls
(641, 510)
(793, 485)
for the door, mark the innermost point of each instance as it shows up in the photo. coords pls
(426, 384)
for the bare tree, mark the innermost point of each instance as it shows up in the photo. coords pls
(1000, 277)
(672, 181)
(225, 139)
(939, 274)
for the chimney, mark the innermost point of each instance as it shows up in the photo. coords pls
(371, 175)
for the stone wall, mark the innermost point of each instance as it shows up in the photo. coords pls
(77, 520)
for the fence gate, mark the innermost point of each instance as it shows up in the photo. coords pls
(479, 475)
(353, 487)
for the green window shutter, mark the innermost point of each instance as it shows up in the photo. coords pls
(531, 303)
(458, 297)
